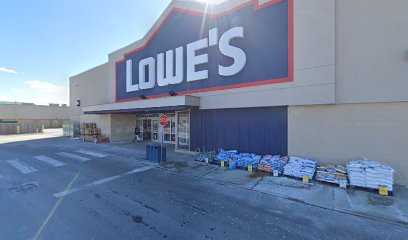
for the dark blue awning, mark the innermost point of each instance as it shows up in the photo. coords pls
(144, 110)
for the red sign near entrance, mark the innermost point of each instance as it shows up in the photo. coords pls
(164, 120)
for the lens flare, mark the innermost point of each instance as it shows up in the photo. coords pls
(211, 1)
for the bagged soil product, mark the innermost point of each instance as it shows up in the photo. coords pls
(300, 167)
(330, 173)
(370, 174)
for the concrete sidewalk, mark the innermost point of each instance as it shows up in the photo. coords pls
(357, 202)
(393, 209)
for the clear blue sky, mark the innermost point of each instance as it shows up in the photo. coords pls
(43, 42)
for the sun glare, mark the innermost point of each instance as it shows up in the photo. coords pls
(211, 1)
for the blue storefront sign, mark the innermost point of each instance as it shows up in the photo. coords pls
(192, 52)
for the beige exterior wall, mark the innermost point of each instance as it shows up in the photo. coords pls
(371, 51)
(340, 133)
(123, 126)
(90, 87)
(32, 112)
(118, 127)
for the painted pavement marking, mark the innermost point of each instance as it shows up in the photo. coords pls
(92, 153)
(101, 181)
(73, 156)
(51, 161)
(22, 167)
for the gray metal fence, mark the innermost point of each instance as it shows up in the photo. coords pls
(8, 127)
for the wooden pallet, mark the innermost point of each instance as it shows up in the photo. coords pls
(95, 139)
(371, 190)
(280, 174)
(297, 178)
(88, 125)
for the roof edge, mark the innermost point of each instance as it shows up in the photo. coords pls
(194, 8)
(90, 69)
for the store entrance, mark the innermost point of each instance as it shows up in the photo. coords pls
(150, 129)
(144, 127)
(168, 133)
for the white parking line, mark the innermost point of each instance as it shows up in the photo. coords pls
(22, 167)
(50, 161)
(73, 156)
(92, 153)
(104, 180)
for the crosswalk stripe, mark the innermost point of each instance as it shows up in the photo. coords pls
(73, 156)
(50, 161)
(22, 167)
(91, 153)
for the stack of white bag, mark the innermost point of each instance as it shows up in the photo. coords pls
(370, 174)
(300, 167)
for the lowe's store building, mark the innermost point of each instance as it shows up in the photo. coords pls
(327, 79)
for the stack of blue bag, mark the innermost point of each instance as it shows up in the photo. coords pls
(225, 156)
(243, 160)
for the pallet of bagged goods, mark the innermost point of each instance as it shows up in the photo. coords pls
(299, 168)
(91, 133)
(273, 164)
(370, 175)
(332, 174)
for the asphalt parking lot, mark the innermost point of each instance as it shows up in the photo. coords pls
(58, 188)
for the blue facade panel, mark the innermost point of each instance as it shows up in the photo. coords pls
(253, 130)
(266, 43)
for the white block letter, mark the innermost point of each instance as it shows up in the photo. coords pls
(233, 52)
(130, 87)
(161, 79)
(213, 37)
(170, 77)
(193, 60)
(151, 81)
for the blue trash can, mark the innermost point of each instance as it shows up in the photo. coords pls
(154, 153)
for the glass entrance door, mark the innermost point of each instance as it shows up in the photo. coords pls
(139, 128)
(170, 131)
(151, 130)
(156, 130)
(183, 130)
(147, 129)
